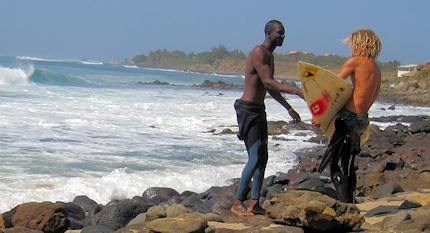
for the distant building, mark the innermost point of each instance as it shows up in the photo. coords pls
(406, 69)
(293, 54)
(307, 53)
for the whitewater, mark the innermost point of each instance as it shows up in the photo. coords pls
(73, 128)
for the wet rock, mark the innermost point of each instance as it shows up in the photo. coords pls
(227, 131)
(160, 194)
(89, 206)
(117, 214)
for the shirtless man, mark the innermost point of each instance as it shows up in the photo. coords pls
(251, 115)
(345, 143)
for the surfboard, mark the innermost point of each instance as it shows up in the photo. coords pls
(326, 94)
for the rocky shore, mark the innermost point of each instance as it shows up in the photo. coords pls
(392, 195)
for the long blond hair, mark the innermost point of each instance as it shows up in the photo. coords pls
(364, 42)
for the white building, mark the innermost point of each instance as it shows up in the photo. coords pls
(401, 70)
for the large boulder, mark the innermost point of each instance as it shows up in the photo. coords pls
(313, 210)
(117, 214)
(44, 216)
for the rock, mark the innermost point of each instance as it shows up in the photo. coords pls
(388, 188)
(314, 211)
(139, 219)
(382, 210)
(160, 194)
(155, 212)
(282, 179)
(218, 85)
(391, 165)
(316, 185)
(89, 206)
(175, 210)
(396, 219)
(96, 229)
(213, 217)
(19, 230)
(409, 205)
(274, 190)
(44, 216)
(185, 223)
(416, 220)
(117, 214)
(227, 131)
(192, 201)
(222, 201)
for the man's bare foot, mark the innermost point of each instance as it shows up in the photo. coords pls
(239, 209)
(255, 208)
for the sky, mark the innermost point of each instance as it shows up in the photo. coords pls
(97, 30)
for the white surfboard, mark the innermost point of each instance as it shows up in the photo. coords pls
(326, 94)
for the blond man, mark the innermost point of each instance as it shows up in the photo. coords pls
(353, 120)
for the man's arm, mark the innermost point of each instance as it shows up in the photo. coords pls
(266, 74)
(347, 68)
(278, 97)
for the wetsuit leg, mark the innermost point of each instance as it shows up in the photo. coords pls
(249, 170)
(259, 172)
(256, 145)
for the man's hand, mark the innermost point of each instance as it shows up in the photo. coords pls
(314, 123)
(294, 115)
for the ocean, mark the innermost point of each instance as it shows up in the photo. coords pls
(70, 127)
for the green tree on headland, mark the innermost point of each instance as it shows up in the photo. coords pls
(221, 60)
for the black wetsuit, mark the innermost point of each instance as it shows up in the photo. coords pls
(252, 122)
(344, 146)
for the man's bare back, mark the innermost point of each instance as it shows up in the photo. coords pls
(366, 79)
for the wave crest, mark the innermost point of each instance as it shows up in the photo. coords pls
(15, 76)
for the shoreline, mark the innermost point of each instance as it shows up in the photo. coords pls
(393, 169)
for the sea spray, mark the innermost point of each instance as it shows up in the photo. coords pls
(15, 76)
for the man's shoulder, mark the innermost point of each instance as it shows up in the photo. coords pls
(257, 49)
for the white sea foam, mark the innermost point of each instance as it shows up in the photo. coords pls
(92, 62)
(131, 66)
(41, 59)
(15, 76)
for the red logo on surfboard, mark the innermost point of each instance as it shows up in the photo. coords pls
(319, 106)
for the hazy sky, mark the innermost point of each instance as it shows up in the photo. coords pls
(96, 30)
